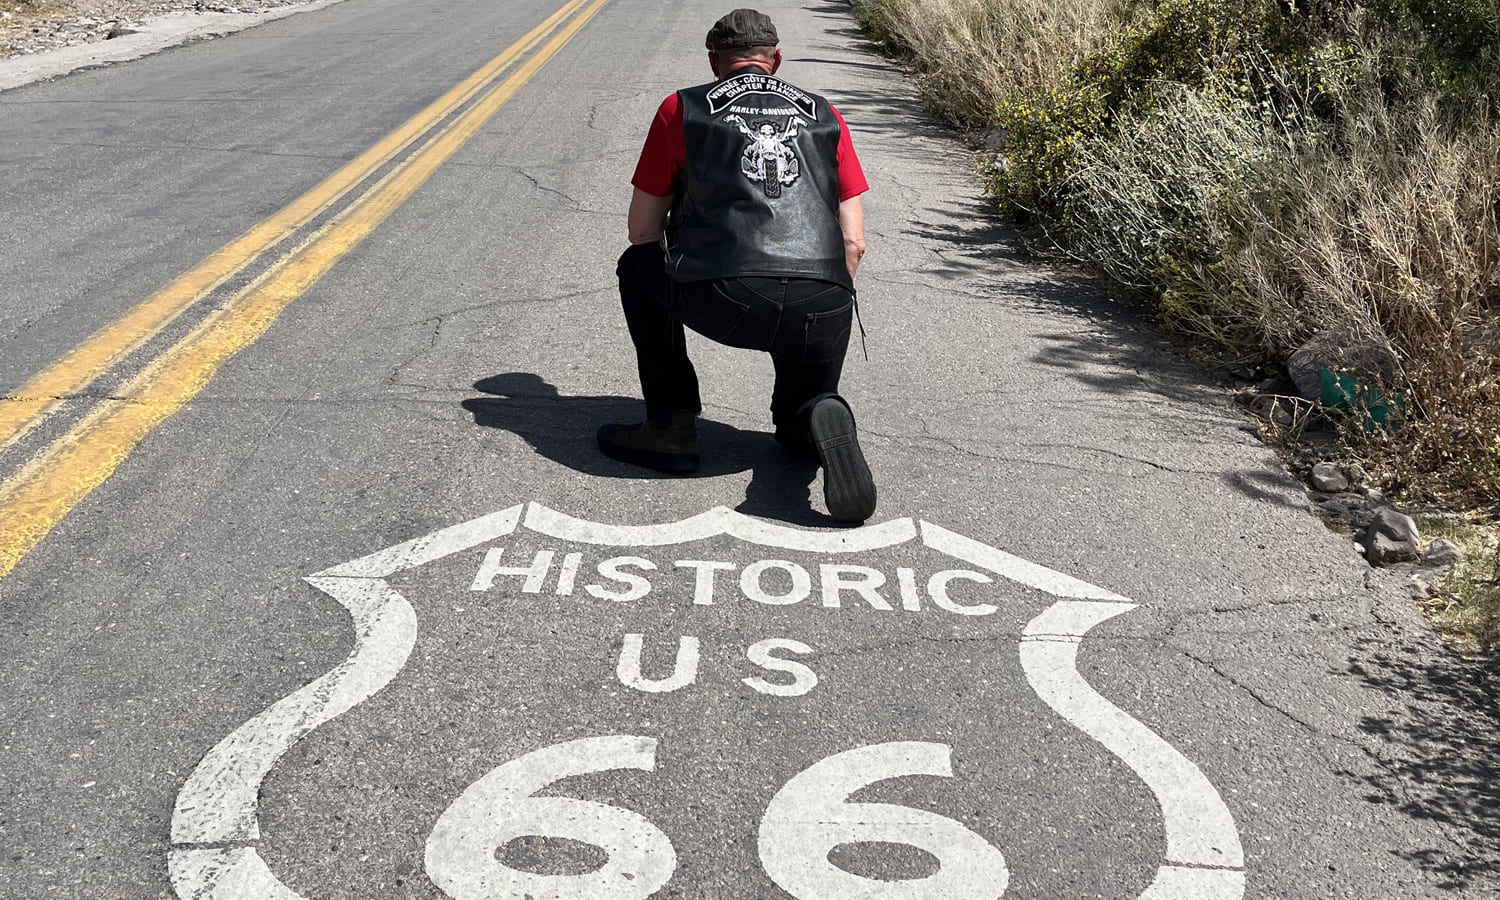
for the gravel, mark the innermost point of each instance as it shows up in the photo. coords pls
(28, 28)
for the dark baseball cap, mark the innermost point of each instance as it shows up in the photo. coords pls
(742, 28)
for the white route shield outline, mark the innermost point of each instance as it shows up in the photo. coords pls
(215, 821)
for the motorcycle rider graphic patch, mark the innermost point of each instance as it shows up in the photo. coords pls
(768, 159)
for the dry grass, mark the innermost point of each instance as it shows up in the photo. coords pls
(1258, 227)
(1337, 186)
(1465, 604)
(1262, 179)
(972, 54)
(1398, 238)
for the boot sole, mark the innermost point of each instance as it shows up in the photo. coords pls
(848, 486)
(673, 463)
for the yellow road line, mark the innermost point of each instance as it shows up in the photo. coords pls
(81, 366)
(47, 489)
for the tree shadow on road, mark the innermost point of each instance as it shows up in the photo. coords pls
(562, 429)
(1437, 762)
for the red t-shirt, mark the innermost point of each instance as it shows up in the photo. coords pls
(665, 154)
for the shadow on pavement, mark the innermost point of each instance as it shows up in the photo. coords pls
(1438, 760)
(1098, 339)
(562, 429)
(1268, 486)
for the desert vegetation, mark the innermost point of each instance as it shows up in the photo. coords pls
(1264, 176)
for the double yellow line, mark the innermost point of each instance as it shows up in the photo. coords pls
(67, 470)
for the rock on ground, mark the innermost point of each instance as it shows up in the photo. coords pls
(1391, 538)
(1328, 478)
(1442, 553)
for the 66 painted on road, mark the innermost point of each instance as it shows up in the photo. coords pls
(803, 826)
(808, 818)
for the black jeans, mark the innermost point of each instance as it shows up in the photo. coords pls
(803, 323)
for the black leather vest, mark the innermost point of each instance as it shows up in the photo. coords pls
(760, 191)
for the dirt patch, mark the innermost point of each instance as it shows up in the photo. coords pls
(36, 26)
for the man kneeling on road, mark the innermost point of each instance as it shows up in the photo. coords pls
(759, 251)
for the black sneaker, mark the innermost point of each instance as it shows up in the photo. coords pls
(668, 447)
(848, 486)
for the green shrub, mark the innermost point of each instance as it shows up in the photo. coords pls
(1177, 44)
(1158, 208)
(1457, 29)
(1259, 171)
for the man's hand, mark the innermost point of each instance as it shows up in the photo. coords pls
(648, 213)
(852, 224)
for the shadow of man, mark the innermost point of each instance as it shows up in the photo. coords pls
(562, 429)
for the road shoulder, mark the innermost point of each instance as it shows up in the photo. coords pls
(153, 36)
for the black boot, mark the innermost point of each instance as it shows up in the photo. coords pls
(848, 486)
(666, 445)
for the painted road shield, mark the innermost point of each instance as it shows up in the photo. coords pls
(542, 706)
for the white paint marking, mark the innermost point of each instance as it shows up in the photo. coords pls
(1199, 828)
(568, 574)
(1013, 567)
(862, 580)
(684, 670)
(218, 802)
(490, 569)
(750, 583)
(429, 547)
(717, 521)
(1181, 883)
(500, 807)
(812, 814)
(911, 601)
(803, 678)
(612, 569)
(937, 588)
(703, 579)
(231, 874)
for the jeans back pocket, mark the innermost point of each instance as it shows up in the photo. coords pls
(827, 334)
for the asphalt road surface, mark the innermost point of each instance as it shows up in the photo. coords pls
(317, 586)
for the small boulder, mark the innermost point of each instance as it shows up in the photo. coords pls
(1442, 553)
(1354, 350)
(1327, 478)
(1391, 538)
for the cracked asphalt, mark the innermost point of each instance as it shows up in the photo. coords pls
(458, 362)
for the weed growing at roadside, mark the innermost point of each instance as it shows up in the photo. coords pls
(1465, 604)
(972, 54)
(1262, 173)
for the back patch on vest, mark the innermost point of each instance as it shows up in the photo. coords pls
(726, 92)
(768, 159)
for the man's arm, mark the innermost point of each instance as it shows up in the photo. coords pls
(851, 223)
(656, 173)
(648, 213)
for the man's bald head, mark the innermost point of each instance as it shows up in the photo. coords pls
(735, 60)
